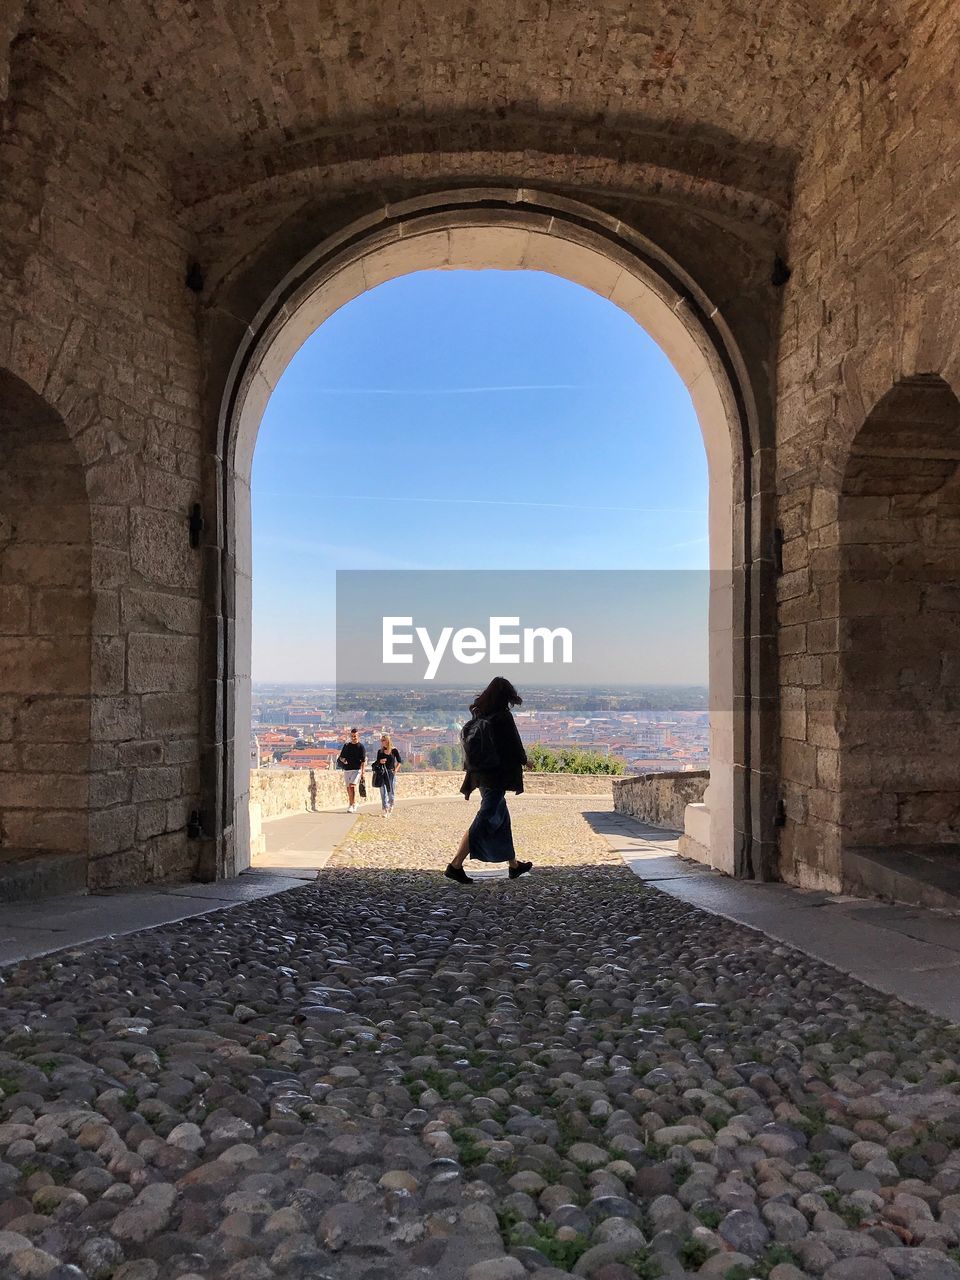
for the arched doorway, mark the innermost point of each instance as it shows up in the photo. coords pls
(46, 610)
(899, 710)
(515, 231)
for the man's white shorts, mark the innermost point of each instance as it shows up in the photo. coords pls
(350, 776)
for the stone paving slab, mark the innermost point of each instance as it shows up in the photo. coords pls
(912, 953)
(30, 929)
(302, 841)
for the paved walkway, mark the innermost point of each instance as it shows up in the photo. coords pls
(30, 929)
(303, 842)
(297, 848)
(910, 952)
(381, 1075)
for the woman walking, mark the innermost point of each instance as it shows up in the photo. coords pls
(494, 760)
(385, 768)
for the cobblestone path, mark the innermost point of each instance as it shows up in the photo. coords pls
(386, 1076)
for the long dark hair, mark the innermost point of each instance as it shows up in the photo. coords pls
(497, 696)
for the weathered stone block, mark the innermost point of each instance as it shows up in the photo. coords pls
(168, 491)
(161, 663)
(115, 481)
(61, 611)
(106, 613)
(151, 819)
(171, 857)
(156, 784)
(824, 806)
(110, 526)
(161, 611)
(115, 719)
(160, 549)
(823, 636)
(66, 757)
(145, 752)
(801, 669)
(178, 811)
(181, 751)
(798, 762)
(792, 639)
(64, 522)
(52, 719)
(109, 568)
(165, 714)
(59, 832)
(43, 790)
(112, 830)
(930, 808)
(103, 757)
(51, 664)
(828, 769)
(14, 610)
(47, 566)
(111, 787)
(116, 870)
(107, 675)
(793, 713)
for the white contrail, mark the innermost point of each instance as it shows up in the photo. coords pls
(491, 502)
(465, 391)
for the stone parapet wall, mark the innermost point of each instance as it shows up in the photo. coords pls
(870, 308)
(281, 792)
(569, 784)
(660, 798)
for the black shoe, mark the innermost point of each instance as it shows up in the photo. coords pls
(458, 874)
(520, 869)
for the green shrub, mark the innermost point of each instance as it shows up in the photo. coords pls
(573, 760)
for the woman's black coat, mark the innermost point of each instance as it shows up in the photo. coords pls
(509, 776)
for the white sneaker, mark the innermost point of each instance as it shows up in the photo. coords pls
(351, 808)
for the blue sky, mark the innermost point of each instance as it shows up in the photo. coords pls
(466, 419)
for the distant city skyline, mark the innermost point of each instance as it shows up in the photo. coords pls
(456, 419)
(647, 728)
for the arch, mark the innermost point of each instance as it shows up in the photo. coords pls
(899, 626)
(518, 229)
(46, 609)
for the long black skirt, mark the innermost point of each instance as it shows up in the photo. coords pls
(491, 835)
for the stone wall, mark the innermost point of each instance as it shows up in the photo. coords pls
(872, 305)
(281, 792)
(97, 326)
(660, 798)
(45, 624)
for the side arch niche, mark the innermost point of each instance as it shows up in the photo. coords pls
(46, 608)
(899, 632)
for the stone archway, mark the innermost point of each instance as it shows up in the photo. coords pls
(899, 617)
(506, 230)
(46, 610)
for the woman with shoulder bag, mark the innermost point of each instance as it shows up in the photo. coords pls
(385, 769)
(494, 761)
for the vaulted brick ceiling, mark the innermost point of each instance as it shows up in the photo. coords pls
(239, 82)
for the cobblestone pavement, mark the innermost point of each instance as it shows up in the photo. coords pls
(386, 1076)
